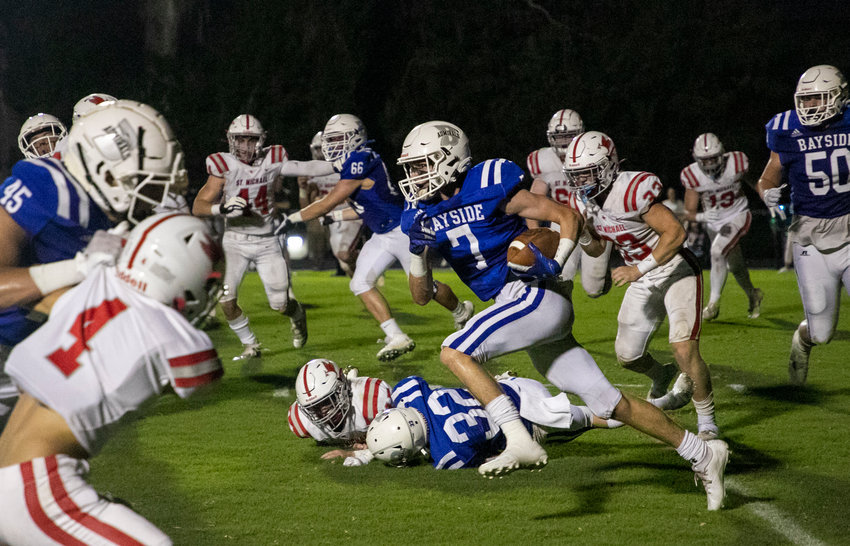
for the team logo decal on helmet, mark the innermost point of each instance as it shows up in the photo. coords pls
(433, 155)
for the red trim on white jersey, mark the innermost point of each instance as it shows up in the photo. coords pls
(145, 235)
(740, 162)
(371, 395)
(196, 369)
(534, 163)
(688, 179)
(218, 161)
(60, 496)
(295, 424)
(278, 153)
(632, 192)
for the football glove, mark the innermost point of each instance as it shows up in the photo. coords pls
(421, 235)
(777, 212)
(771, 196)
(542, 267)
(233, 207)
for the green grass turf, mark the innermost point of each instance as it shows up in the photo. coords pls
(225, 469)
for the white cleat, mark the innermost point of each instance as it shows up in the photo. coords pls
(251, 350)
(798, 363)
(298, 326)
(465, 314)
(711, 311)
(395, 347)
(754, 310)
(713, 473)
(530, 456)
(659, 388)
(678, 396)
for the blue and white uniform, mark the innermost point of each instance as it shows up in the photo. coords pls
(379, 206)
(816, 161)
(59, 219)
(473, 233)
(461, 433)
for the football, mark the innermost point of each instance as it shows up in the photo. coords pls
(520, 256)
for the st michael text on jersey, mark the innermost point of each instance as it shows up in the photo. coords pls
(823, 141)
(454, 217)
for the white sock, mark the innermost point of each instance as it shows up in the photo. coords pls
(705, 413)
(694, 450)
(390, 328)
(242, 329)
(501, 409)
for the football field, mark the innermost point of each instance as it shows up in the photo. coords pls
(225, 469)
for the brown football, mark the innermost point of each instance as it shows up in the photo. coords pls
(520, 256)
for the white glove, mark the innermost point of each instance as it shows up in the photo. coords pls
(710, 216)
(771, 196)
(351, 373)
(361, 457)
(777, 211)
(103, 249)
(232, 208)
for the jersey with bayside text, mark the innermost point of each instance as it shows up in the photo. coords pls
(816, 161)
(472, 230)
(59, 219)
(369, 397)
(105, 351)
(379, 206)
(722, 193)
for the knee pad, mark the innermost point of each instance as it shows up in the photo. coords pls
(360, 283)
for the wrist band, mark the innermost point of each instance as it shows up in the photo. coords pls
(55, 275)
(565, 248)
(418, 267)
(647, 264)
(336, 215)
(295, 217)
(700, 217)
(215, 210)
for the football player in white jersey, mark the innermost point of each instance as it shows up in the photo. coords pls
(664, 278)
(123, 161)
(241, 187)
(39, 136)
(366, 185)
(112, 343)
(714, 178)
(346, 237)
(546, 166)
(810, 144)
(334, 406)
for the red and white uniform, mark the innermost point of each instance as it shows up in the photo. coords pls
(250, 238)
(343, 235)
(547, 166)
(673, 289)
(105, 351)
(724, 196)
(369, 397)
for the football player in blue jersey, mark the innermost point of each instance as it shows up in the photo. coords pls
(469, 215)
(122, 160)
(450, 428)
(810, 146)
(365, 183)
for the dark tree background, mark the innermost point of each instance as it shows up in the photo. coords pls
(653, 75)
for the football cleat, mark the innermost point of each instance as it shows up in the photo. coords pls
(754, 310)
(659, 387)
(530, 455)
(713, 473)
(298, 326)
(679, 395)
(251, 350)
(798, 364)
(708, 434)
(464, 315)
(507, 374)
(711, 311)
(395, 346)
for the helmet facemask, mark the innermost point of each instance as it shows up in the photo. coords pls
(39, 136)
(821, 94)
(433, 156)
(332, 409)
(712, 165)
(245, 147)
(591, 181)
(424, 178)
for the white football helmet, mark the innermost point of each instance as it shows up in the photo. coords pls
(563, 126)
(169, 257)
(433, 155)
(324, 393)
(316, 147)
(343, 134)
(398, 436)
(246, 137)
(127, 158)
(708, 153)
(39, 135)
(821, 94)
(591, 163)
(90, 102)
